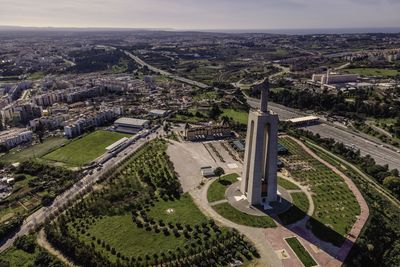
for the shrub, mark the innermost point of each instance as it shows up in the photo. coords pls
(25, 243)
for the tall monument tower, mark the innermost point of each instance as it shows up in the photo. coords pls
(259, 179)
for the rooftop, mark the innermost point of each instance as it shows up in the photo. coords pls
(304, 119)
(117, 143)
(131, 121)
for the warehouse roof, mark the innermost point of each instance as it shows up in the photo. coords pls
(304, 119)
(117, 143)
(158, 112)
(131, 121)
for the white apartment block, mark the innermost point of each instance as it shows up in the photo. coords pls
(333, 78)
(14, 137)
(77, 126)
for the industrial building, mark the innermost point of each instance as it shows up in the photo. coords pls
(304, 121)
(207, 132)
(334, 78)
(130, 125)
(117, 145)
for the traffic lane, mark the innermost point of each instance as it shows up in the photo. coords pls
(283, 112)
(381, 154)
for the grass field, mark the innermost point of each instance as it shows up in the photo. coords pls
(188, 119)
(85, 149)
(288, 185)
(301, 252)
(336, 207)
(210, 95)
(236, 216)
(17, 257)
(36, 75)
(35, 151)
(121, 233)
(297, 211)
(374, 72)
(14, 257)
(184, 211)
(239, 116)
(217, 189)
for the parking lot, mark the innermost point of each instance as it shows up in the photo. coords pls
(189, 157)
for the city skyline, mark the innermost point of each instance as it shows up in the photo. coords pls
(205, 15)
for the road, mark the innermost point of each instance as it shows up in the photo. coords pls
(382, 153)
(160, 71)
(165, 73)
(73, 192)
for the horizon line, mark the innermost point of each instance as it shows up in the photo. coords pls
(394, 29)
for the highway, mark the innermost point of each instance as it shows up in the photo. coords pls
(382, 153)
(159, 71)
(165, 73)
(73, 192)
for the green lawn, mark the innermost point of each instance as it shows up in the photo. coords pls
(336, 208)
(297, 211)
(236, 216)
(35, 151)
(17, 257)
(122, 233)
(301, 252)
(239, 116)
(374, 72)
(188, 119)
(36, 75)
(128, 218)
(14, 257)
(210, 95)
(217, 189)
(281, 52)
(288, 185)
(184, 211)
(83, 150)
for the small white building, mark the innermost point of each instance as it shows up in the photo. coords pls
(207, 171)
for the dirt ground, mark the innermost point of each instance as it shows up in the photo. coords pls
(189, 157)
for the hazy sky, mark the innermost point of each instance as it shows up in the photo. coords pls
(202, 14)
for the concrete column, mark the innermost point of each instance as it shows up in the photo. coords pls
(260, 157)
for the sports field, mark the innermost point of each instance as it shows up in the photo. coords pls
(239, 116)
(35, 151)
(83, 150)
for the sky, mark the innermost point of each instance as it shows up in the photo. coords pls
(202, 14)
